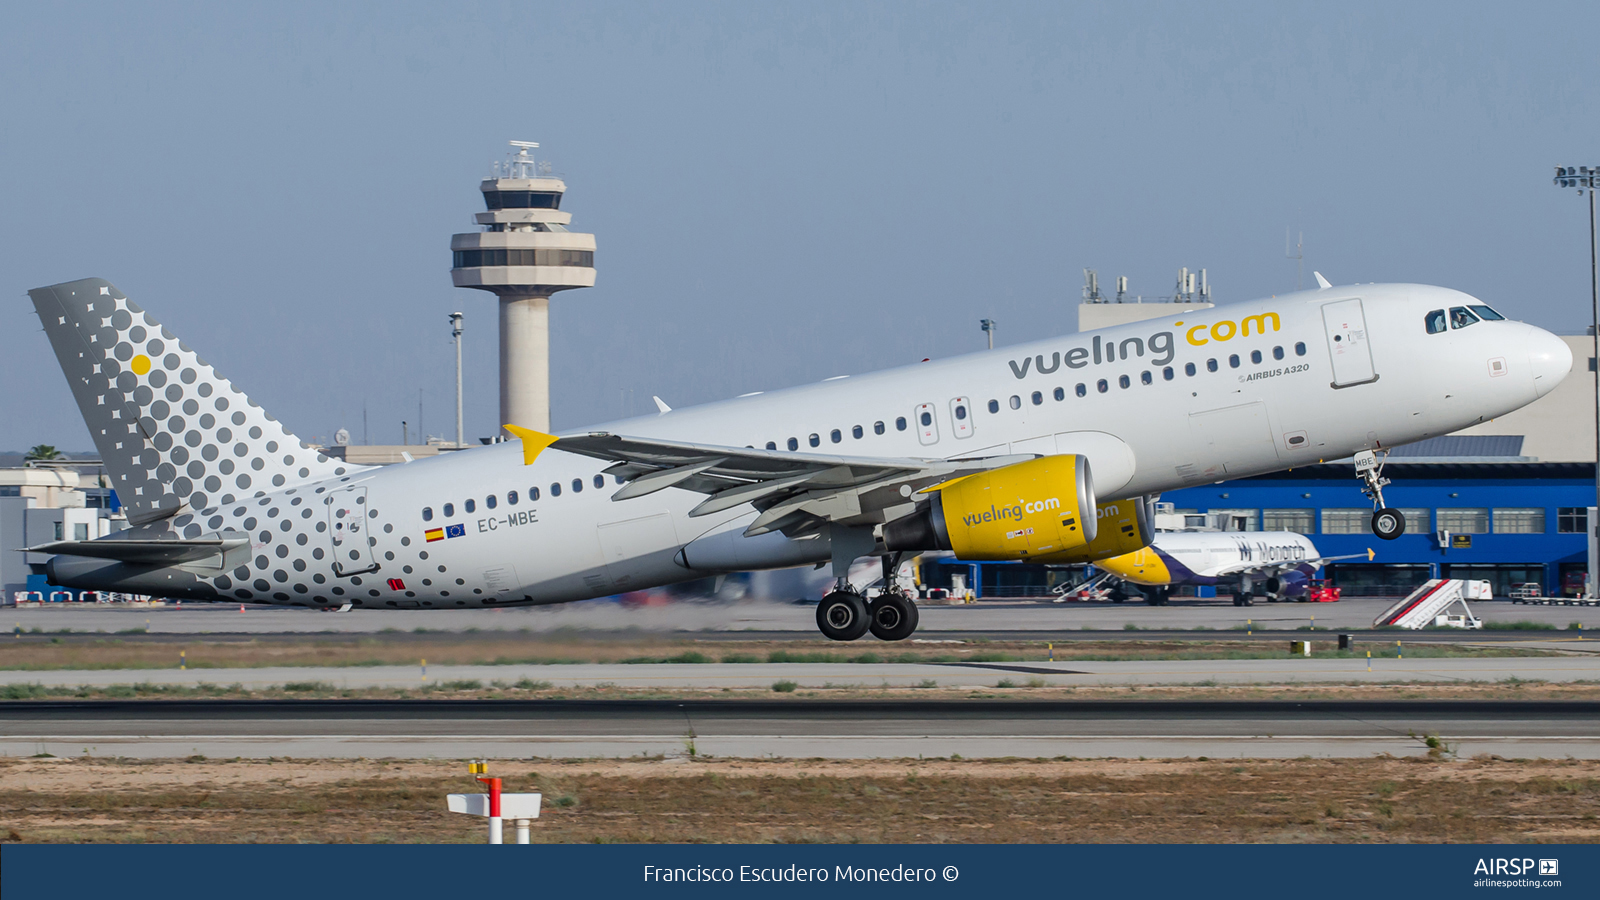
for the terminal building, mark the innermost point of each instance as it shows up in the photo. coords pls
(48, 502)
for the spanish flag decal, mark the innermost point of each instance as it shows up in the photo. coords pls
(434, 534)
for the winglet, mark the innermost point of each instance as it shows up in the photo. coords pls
(661, 405)
(1322, 283)
(533, 442)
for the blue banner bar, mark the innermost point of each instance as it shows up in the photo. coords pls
(31, 872)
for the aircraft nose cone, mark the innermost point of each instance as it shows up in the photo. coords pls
(1549, 359)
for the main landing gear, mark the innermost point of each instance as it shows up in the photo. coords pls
(1246, 595)
(1387, 523)
(845, 615)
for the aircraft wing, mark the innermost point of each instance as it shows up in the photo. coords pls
(1272, 568)
(796, 493)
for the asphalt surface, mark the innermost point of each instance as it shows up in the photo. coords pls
(669, 676)
(796, 728)
(1014, 620)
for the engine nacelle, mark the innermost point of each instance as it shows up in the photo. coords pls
(1125, 526)
(1021, 511)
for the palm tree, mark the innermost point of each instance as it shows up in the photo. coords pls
(43, 451)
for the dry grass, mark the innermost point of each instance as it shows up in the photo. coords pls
(134, 652)
(1488, 800)
(1003, 687)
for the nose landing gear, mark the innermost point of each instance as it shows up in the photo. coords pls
(1388, 523)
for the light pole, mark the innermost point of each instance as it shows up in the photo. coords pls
(988, 329)
(455, 332)
(1586, 179)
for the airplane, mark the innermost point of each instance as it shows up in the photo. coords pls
(1282, 560)
(1049, 451)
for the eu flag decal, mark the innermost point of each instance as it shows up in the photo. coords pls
(453, 531)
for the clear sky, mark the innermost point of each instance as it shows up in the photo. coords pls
(780, 192)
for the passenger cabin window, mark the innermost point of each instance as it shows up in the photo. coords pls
(1082, 390)
(511, 497)
(427, 514)
(1124, 381)
(926, 419)
(877, 428)
(1167, 373)
(1233, 361)
(1255, 356)
(533, 494)
(449, 510)
(472, 506)
(1277, 353)
(555, 489)
(1102, 386)
(772, 445)
(994, 406)
(1016, 402)
(599, 481)
(961, 412)
(856, 432)
(1300, 348)
(815, 439)
(1461, 317)
(490, 501)
(900, 423)
(1037, 398)
(577, 485)
(1487, 314)
(1188, 368)
(835, 436)
(794, 444)
(1435, 321)
(1060, 394)
(1211, 365)
(1146, 378)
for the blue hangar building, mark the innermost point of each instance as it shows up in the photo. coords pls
(1506, 522)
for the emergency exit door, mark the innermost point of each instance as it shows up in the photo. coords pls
(1348, 346)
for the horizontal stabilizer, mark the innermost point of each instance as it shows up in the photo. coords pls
(143, 552)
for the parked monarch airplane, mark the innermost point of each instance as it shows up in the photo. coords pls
(1280, 561)
(1049, 451)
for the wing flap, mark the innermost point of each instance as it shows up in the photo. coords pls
(788, 488)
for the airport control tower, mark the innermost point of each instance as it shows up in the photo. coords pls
(524, 254)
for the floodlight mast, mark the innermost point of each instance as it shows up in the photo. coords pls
(1587, 179)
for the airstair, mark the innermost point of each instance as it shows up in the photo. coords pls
(1430, 605)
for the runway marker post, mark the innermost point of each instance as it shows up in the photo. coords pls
(1369, 660)
(183, 660)
(497, 806)
(1399, 652)
(424, 670)
(1052, 649)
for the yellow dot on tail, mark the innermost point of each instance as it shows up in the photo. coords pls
(140, 364)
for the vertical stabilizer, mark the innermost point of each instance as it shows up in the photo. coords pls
(171, 431)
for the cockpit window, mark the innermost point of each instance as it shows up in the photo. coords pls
(1487, 314)
(1435, 321)
(1461, 317)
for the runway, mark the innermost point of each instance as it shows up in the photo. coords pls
(1020, 620)
(796, 728)
(760, 676)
